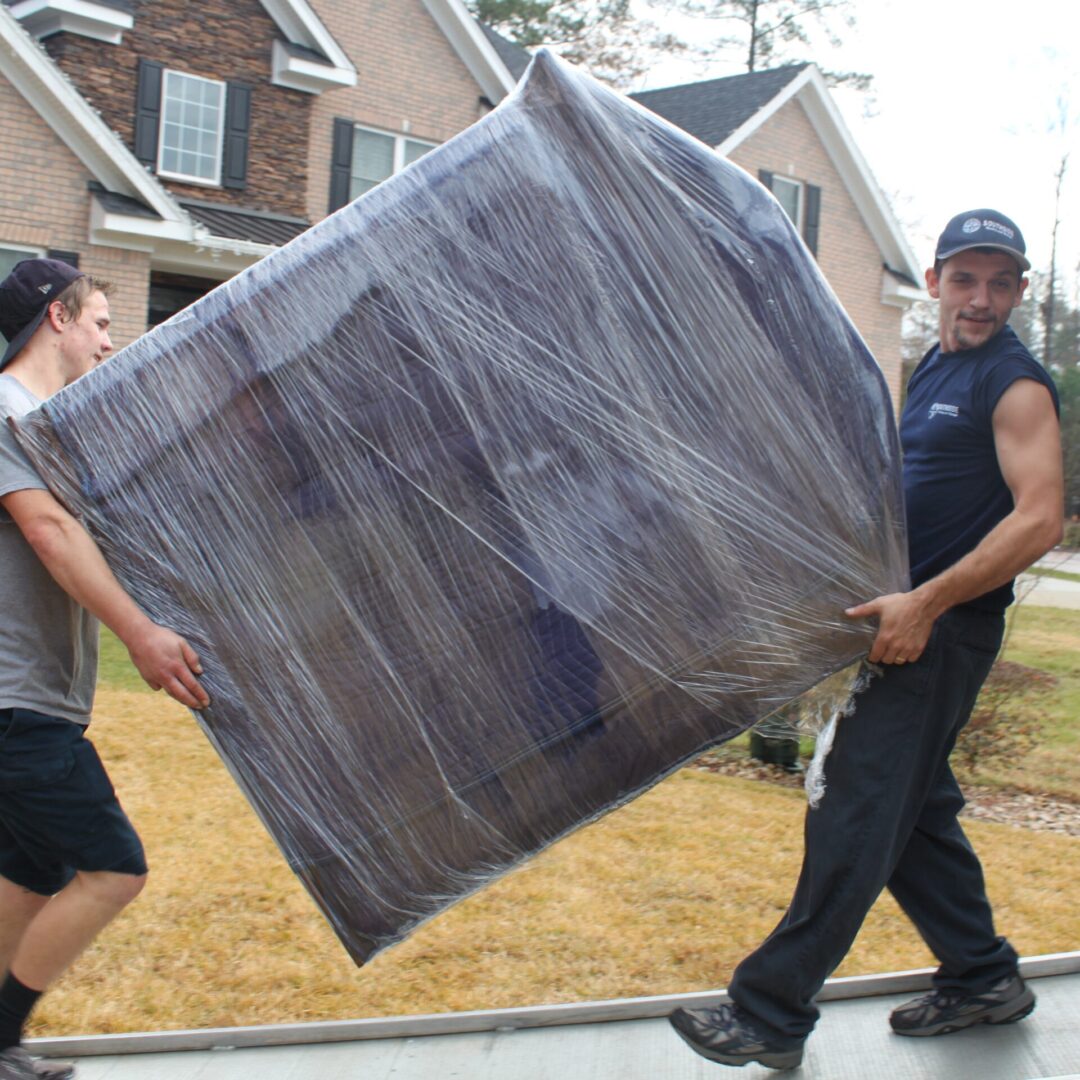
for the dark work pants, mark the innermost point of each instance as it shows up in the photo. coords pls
(888, 818)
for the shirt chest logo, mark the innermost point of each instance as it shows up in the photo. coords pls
(939, 409)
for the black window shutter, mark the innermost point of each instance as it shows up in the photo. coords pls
(237, 128)
(765, 177)
(148, 111)
(69, 257)
(341, 164)
(812, 211)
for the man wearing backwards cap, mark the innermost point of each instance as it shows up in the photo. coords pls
(984, 492)
(69, 858)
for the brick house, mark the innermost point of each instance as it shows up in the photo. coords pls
(783, 127)
(167, 144)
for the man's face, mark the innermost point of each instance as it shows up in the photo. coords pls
(977, 291)
(85, 342)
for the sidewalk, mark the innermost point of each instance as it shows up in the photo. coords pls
(1050, 592)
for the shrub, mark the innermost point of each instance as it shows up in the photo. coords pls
(1007, 717)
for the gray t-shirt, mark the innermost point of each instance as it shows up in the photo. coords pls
(48, 642)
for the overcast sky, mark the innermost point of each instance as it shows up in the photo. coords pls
(964, 112)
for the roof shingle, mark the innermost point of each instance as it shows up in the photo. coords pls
(712, 110)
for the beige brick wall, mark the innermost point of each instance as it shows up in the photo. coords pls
(788, 145)
(44, 204)
(410, 81)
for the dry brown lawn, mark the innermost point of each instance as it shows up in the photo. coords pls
(664, 895)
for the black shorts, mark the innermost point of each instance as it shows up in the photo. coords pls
(58, 810)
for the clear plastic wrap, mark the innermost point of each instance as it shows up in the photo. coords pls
(494, 497)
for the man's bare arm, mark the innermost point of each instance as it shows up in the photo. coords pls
(164, 659)
(1028, 442)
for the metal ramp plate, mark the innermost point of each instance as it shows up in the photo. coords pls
(852, 1042)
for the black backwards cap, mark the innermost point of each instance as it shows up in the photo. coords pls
(25, 296)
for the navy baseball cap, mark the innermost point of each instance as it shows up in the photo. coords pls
(25, 296)
(982, 228)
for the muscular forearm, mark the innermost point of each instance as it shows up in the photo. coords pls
(1009, 548)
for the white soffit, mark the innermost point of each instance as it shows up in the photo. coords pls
(302, 73)
(897, 293)
(299, 23)
(813, 95)
(476, 52)
(98, 21)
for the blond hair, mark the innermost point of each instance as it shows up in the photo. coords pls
(77, 293)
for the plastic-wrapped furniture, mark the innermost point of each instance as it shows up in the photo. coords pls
(496, 496)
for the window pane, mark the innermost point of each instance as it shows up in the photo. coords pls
(787, 194)
(10, 258)
(191, 134)
(414, 150)
(357, 187)
(373, 159)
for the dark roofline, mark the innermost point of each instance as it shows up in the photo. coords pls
(715, 108)
(243, 211)
(116, 203)
(728, 80)
(901, 276)
(302, 52)
(515, 57)
(240, 223)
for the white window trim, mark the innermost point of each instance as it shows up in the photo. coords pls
(800, 205)
(298, 73)
(201, 181)
(31, 252)
(400, 139)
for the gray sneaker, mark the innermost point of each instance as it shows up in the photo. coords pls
(727, 1035)
(52, 1069)
(17, 1064)
(943, 1011)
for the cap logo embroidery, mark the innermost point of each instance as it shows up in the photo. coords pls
(46, 288)
(973, 224)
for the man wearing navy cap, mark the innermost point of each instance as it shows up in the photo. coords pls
(984, 497)
(69, 858)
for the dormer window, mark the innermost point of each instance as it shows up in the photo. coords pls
(192, 128)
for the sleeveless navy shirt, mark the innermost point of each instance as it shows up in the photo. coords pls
(953, 488)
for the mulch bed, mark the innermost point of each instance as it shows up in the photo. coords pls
(1021, 809)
